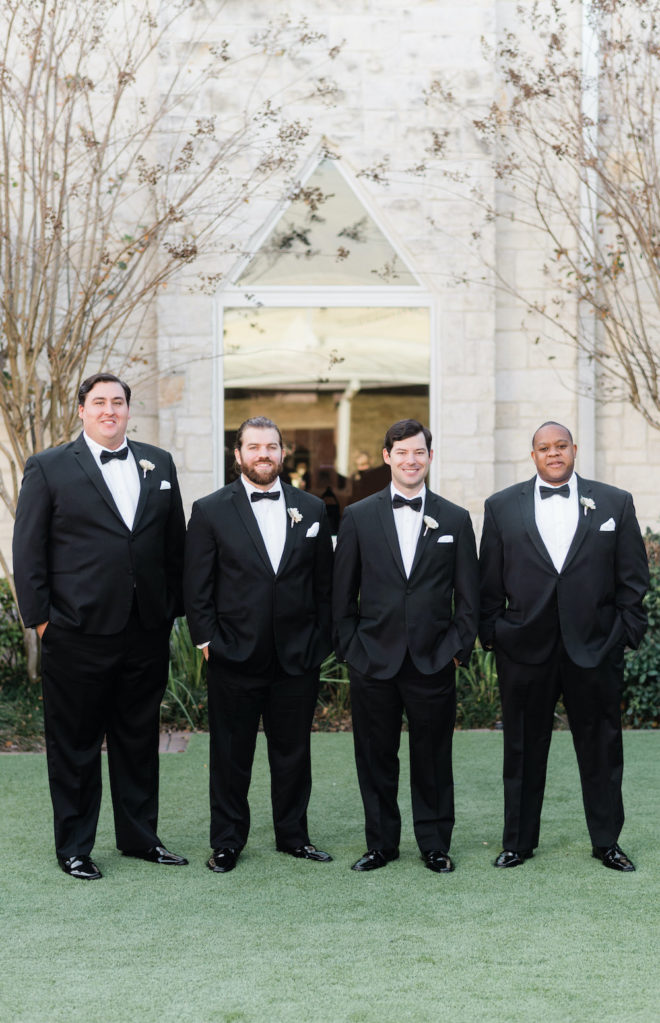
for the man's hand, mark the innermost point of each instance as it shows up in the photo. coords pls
(41, 629)
(205, 651)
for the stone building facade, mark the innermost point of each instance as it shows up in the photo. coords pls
(416, 321)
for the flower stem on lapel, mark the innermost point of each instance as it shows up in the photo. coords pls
(430, 523)
(588, 504)
(294, 515)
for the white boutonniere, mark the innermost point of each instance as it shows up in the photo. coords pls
(430, 523)
(146, 466)
(587, 504)
(294, 515)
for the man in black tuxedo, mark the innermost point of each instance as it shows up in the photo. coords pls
(257, 583)
(405, 609)
(98, 554)
(563, 575)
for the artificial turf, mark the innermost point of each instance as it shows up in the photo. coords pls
(277, 940)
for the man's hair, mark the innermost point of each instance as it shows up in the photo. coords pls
(261, 423)
(402, 430)
(551, 422)
(101, 378)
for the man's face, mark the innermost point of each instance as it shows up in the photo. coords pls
(260, 456)
(409, 461)
(554, 454)
(105, 414)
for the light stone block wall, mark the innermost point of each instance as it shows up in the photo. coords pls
(492, 383)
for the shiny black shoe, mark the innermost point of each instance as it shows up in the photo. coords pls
(373, 859)
(81, 867)
(306, 852)
(157, 854)
(222, 860)
(613, 857)
(438, 861)
(511, 858)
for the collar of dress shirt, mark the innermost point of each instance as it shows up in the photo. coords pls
(96, 448)
(420, 493)
(572, 485)
(250, 488)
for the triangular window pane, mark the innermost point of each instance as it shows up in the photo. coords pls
(326, 237)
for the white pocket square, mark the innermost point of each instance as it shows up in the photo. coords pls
(165, 485)
(608, 527)
(446, 538)
(313, 530)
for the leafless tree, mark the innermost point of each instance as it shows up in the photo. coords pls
(127, 149)
(572, 136)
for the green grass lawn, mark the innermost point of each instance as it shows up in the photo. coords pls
(558, 939)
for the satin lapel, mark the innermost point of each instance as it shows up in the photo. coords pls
(432, 508)
(384, 502)
(246, 515)
(584, 526)
(146, 482)
(87, 463)
(526, 498)
(294, 532)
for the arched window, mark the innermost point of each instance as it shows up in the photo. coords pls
(328, 332)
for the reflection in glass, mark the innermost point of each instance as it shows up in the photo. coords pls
(333, 379)
(327, 237)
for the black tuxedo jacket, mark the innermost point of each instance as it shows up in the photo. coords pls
(76, 563)
(595, 602)
(237, 603)
(379, 614)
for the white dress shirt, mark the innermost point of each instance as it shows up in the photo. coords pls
(408, 526)
(557, 519)
(271, 518)
(121, 477)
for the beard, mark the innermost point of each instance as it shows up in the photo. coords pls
(262, 474)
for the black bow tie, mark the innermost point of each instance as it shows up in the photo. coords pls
(551, 491)
(399, 502)
(267, 495)
(107, 456)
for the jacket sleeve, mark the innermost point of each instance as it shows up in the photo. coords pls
(30, 545)
(466, 591)
(175, 541)
(491, 572)
(199, 577)
(346, 585)
(632, 575)
(323, 582)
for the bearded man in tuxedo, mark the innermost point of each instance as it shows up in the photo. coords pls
(563, 575)
(257, 584)
(98, 556)
(405, 608)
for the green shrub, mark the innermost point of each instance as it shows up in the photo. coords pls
(641, 694)
(185, 703)
(21, 704)
(477, 692)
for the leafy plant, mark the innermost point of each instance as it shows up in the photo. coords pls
(185, 701)
(641, 694)
(477, 692)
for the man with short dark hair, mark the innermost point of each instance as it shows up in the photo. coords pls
(257, 582)
(98, 556)
(405, 610)
(563, 576)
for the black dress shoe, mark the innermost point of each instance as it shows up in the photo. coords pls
(306, 852)
(613, 857)
(438, 861)
(80, 867)
(222, 860)
(375, 858)
(511, 858)
(157, 854)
